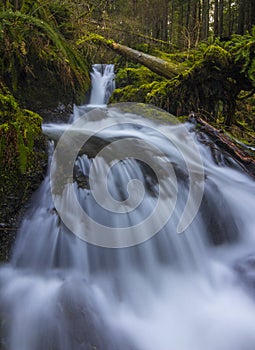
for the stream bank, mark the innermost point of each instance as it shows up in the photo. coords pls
(23, 160)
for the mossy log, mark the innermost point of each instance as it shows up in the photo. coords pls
(155, 64)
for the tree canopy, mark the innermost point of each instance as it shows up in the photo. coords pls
(176, 22)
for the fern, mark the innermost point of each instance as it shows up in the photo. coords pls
(242, 49)
(52, 50)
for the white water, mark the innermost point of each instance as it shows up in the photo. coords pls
(102, 79)
(103, 83)
(173, 292)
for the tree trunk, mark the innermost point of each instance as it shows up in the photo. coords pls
(188, 15)
(199, 22)
(249, 15)
(155, 64)
(194, 22)
(134, 8)
(252, 14)
(180, 38)
(216, 18)
(230, 20)
(241, 14)
(171, 36)
(165, 10)
(221, 11)
(205, 20)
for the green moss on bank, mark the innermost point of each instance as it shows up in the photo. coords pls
(211, 87)
(22, 161)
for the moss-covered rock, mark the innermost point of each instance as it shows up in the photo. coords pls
(135, 76)
(130, 94)
(134, 83)
(22, 163)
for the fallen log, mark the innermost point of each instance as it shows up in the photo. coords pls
(226, 144)
(155, 64)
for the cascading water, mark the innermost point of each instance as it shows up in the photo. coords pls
(102, 79)
(188, 291)
(103, 83)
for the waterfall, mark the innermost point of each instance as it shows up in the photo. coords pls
(187, 291)
(102, 87)
(102, 78)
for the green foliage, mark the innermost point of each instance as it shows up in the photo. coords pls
(210, 86)
(178, 57)
(130, 93)
(19, 130)
(217, 56)
(93, 38)
(242, 48)
(135, 76)
(22, 53)
(134, 83)
(218, 82)
(8, 105)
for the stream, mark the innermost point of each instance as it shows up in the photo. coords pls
(141, 239)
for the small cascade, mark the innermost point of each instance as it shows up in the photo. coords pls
(102, 87)
(102, 79)
(172, 291)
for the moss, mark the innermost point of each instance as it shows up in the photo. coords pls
(46, 64)
(133, 84)
(146, 48)
(127, 94)
(8, 104)
(22, 154)
(135, 76)
(94, 38)
(207, 87)
(216, 55)
(185, 58)
(18, 132)
(210, 86)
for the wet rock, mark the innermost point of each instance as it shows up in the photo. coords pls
(81, 179)
(246, 270)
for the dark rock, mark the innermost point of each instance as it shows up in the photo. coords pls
(246, 270)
